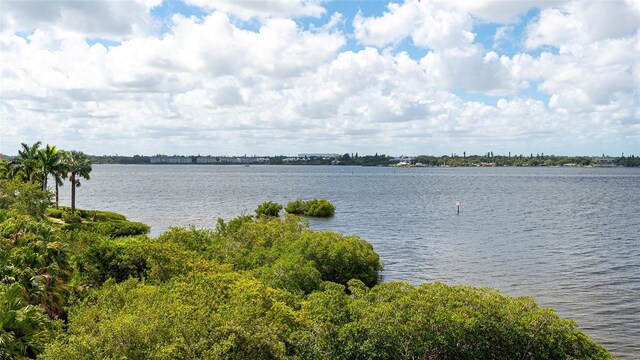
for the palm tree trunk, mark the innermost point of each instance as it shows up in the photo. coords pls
(57, 197)
(73, 193)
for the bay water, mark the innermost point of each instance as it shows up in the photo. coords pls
(569, 237)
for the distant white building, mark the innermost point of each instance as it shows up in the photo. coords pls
(231, 160)
(319, 155)
(164, 159)
(603, 161)
(405, 159)
(207, 160)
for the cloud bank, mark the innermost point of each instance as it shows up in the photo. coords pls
(302, 76)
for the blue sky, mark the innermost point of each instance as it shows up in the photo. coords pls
(290, 76)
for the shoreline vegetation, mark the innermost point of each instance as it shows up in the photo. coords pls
(90, 284)
(454, 160)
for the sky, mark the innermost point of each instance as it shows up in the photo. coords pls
(229, 77)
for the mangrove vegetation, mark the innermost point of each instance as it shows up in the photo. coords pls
(313, 208)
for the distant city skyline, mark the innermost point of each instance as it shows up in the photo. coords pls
(222, 77)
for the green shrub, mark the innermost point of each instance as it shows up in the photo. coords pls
(291, 272)
(83, 213)
(232, 225)
(113, 229)
(54, 213)
(109, 259)
(71, 218)
(230, 315)
(314, 207)
(339, 258)
(269, 209)
(118, 228)
(197, 240)
(106, 215)
(99, 215)
(320, 208)
(297, 207)
(24, 198)
(213, 315)
(286, 243)
(434, 321)
(79, 238)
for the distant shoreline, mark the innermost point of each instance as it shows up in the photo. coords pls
(455, 160)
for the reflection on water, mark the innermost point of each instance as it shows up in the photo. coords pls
(568, 237)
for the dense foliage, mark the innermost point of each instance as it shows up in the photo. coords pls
(17, 197)
(314, 207)
(271, 288)
(268, 208)
(24, 328)
(435, 321)
(233, 315)
(112, 228)
(283, 252)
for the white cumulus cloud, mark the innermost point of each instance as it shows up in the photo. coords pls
(417, 81)
(114, 20)
(264, 8)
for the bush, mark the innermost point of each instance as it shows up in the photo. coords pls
(291, 272)
(106, 215)
(314, 207)
(98, 215)
(269, 209)
(197, 240)
(109, 259)
(71, 218)
(320, 208)
(285, 244)
(220, 314)
(434, 321)
(118, 228)
(199, 316)
(297, 207)
(340, 258)
(113, 229)
(54, 213)
(24, 198)
(83, 213)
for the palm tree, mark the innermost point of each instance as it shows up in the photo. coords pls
(59, 174)
(50, 161)
(78, 166)
(26, 165)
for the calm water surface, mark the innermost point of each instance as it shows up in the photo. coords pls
(568, 237)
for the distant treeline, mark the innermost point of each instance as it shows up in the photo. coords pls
(529, 160)
(108, 159)
(453, 160)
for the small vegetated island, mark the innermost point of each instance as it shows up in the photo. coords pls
(314, 208)
(78, 284)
